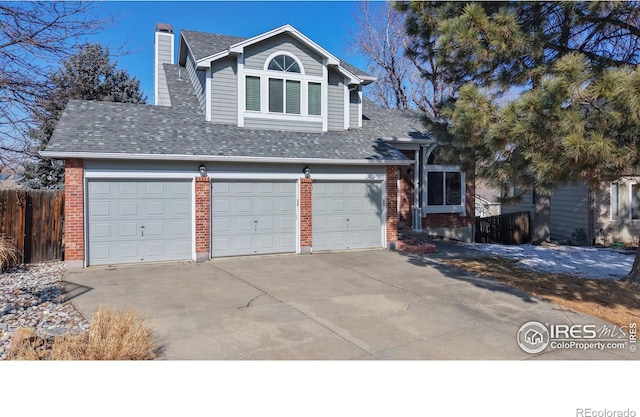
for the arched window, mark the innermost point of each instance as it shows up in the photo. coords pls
(284, 63)
(288, 90)
(445, 185)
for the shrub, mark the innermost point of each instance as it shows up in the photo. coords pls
(112, 335)
(9, 253)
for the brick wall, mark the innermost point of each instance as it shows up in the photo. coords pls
(203, 218)
(392, 204)
(306, 220)
(74, 212)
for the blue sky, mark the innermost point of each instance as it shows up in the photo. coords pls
(328, 23)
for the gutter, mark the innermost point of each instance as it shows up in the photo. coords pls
(218, 158)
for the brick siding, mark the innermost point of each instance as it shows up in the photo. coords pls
(392, 204)
(203, 218)
(74, 210)
(306, 209)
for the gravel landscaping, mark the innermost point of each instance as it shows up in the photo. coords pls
(32, 296)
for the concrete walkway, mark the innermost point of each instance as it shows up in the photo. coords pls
(349, 305)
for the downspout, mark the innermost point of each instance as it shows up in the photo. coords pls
(417, 210)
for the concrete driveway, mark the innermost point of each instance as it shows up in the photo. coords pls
(350, 305)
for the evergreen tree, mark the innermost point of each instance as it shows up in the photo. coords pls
(548, 91)
(88, 75)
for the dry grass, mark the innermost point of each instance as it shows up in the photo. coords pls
(613, 301)
(112, 335)
(9, 254)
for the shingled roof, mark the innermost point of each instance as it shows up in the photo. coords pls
(118, 130)
(203, 45)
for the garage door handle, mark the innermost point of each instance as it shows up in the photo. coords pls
(142, 231)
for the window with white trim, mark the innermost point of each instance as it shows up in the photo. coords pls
(445, 186)
(283, 88)
(634, 211)
(614, 201)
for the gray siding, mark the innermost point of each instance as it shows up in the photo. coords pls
(164, 56)
(300, 126)
(525, 205)
(224, 91)
(198, 79)
(623, 229)
(569, 214)
(335, 92)
(256, 55)
(354, 104)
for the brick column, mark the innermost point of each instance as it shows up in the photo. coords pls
(74, 213)
(306, 210)
(392, 206)
(203, 219)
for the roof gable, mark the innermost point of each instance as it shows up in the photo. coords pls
(209, 47)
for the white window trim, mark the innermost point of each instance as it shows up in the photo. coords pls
(208, 95)
(445, 209)
(611, 185)
(290, 55)
(264, 76)
(630, 207)
(241, 80)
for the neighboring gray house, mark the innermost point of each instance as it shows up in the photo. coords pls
(487, 199)
(580, 216)
(254, 146)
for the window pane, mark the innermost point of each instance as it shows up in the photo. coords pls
(291, 65)
(252, 93)
(454, 195)
(293, 97)
(276, 95)
(635, 201)
(277, 63)
(435, 189)
(615, 200)
(315, 98)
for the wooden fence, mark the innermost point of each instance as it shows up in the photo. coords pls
(508, 229)
(34, 219)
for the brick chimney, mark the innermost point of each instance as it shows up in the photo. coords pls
(163, 55)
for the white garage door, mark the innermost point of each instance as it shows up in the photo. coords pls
(139, 221)
(253, 217)
(347, 215)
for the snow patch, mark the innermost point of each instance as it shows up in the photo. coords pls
(585, 262)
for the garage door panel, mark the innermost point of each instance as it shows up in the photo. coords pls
(128, 189)
(100, 231)
(221, 206)
(180, 230)
(244, 225)
(137, 221)
(220, 226)
(347, 215)
(244, 188)
(153, 249)
(180, 208)
(127, 230)
(128, 209)
(100, 208)
(244, 206)
(101, 251)
(154, 208)
(259, 213)
(154, 230)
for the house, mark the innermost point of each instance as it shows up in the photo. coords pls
(487, 199)
(581, 216)
(253, 146)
